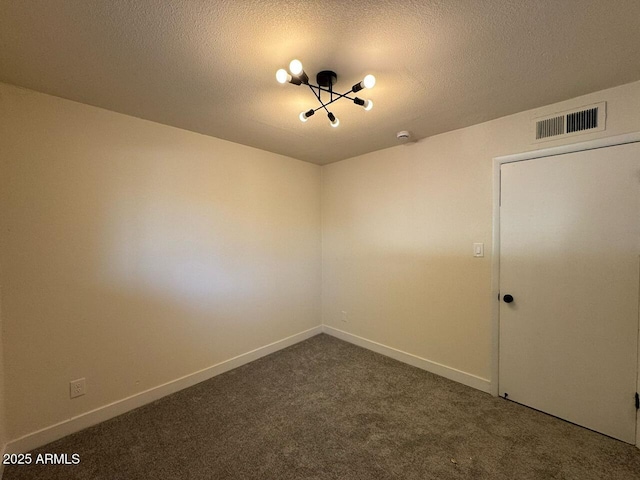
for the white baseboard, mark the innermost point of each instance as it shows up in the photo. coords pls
(459, 376)
(54, 432)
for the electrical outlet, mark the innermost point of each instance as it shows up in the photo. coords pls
(77, 388)
(344, 316)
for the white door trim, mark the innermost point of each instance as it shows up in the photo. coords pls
(495, 257)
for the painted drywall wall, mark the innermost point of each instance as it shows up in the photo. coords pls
(134, 253)
(399, 225)
(3, 418)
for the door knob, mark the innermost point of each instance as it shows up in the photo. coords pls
(507, 298)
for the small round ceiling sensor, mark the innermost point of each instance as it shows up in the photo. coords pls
(403, 135)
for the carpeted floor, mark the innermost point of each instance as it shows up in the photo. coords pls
(325, 409)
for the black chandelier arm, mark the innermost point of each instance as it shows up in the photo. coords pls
(340, 95)
(324, 105)
(319, 99)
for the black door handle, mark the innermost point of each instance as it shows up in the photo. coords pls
(507, 298)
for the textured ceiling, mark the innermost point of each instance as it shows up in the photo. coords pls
(209, 66)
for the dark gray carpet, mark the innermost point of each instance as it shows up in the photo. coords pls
(325, 409)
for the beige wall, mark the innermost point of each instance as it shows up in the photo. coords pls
(134, 253)
(398, 227)
(3, 418)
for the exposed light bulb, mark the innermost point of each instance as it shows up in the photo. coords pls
(334, 121)
(369, 81)
(295, 67)
(282, 76)
(366, 104)
(304, 116)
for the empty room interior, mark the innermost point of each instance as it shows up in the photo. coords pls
(265, 239)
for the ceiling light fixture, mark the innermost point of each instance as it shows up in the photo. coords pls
(326, 79)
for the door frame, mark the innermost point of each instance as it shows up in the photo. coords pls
(495, 252)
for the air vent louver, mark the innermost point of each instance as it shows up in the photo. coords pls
(586, 119)
(583, 120)
(550, 127)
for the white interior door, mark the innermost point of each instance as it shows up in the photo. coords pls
(570, 258)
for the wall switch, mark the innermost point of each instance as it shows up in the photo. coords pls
(77, 388)
(344, 316)
(478, 249)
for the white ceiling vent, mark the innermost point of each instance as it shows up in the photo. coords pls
(591, 118)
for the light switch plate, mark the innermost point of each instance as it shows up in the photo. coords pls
(478, 249)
